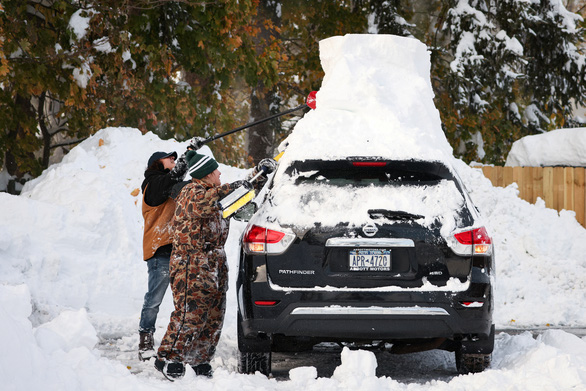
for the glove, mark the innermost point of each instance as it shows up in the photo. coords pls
(196, 143)
(178, 172)
(235, 185)
(267, 165)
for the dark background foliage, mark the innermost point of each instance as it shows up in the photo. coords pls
(500, 69)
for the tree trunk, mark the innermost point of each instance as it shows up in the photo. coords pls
(44, 131)
(13, 154)
(264, 101)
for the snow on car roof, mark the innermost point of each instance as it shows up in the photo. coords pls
(376, 99)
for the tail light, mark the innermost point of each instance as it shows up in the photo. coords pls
(266, 303)
(472, 242)
(369, 164)
(261, 240)
(472, 304)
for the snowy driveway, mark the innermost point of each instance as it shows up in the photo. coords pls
(552, 359)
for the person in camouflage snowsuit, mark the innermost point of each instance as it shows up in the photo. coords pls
(198, 269)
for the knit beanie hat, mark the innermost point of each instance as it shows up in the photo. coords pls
(200, 165)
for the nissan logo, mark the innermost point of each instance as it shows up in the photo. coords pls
(370, 229)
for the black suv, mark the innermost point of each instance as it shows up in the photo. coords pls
(405, 263)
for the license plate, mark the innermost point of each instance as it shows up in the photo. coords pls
(370, 260)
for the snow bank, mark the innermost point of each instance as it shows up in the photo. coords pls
(56, 356)
(540, 262)
(75, 233)
(561, 147)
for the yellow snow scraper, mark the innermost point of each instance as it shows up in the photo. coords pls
(241, 196)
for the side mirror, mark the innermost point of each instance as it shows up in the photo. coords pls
(246, 212)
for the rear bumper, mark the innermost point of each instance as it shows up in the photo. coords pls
(353, 315)
(368, 326)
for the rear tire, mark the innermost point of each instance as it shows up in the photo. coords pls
(251, 362)
(475, 356)
(254, 354)
(472, 362)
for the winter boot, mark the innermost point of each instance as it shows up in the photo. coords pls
(203, 370)
(170, 369)
(145, 346)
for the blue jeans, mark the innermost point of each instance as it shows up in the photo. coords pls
(158, 267)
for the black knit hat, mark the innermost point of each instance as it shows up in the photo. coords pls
(160, 155)
(200, 165)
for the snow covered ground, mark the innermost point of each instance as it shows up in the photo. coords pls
(72, 281)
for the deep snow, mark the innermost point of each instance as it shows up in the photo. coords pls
(560, 147)
(72, 281)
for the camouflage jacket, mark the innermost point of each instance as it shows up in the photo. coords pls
(198, 226)
(200, 231)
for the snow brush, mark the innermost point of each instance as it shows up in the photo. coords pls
(309, 102)
(244, 194)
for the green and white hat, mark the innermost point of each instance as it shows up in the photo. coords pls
(200, 165)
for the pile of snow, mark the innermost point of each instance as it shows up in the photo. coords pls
(71, 274)
(561, 147)
(540, 262)
(375, 100)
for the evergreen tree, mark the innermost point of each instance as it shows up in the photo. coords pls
(515, 67)
(501, 69)
(390, 17)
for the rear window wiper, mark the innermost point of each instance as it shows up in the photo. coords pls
(393, 214)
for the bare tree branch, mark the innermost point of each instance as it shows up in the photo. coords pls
(68, 143)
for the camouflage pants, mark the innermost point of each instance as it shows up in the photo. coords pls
(199, 295)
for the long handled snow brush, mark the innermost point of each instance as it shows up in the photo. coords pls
(309, 102)
(241, 196)
(244, 194)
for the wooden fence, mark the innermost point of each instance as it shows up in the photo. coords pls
(560, 187)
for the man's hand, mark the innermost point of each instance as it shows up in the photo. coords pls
(267, 165)
(196, 143)
(235, 185)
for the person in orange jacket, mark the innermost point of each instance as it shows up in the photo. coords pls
(162, 177)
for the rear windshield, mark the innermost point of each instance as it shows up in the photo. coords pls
(367, 173)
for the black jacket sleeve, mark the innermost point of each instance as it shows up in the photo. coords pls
(178, 172)
(160, 183)
(176, 189)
